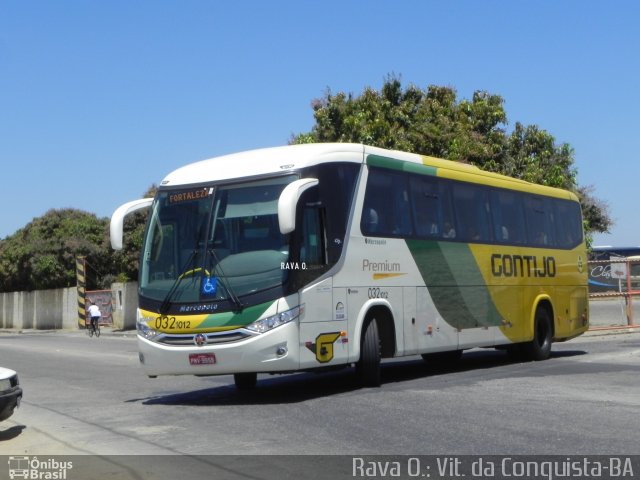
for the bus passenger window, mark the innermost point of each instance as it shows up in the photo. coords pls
(370, 220)
(449, 231)
(568, 229)
(472, 212)
(386, 204)
(428, 200)
(538, 215)
(507, 216)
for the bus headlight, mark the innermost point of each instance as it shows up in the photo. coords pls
(269, 323)
(145, 330)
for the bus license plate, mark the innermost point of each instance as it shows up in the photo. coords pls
(202, 358)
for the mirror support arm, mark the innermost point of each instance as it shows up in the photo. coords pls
(116, 227)
(289, 200)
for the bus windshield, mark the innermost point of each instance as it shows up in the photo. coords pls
(214, 242)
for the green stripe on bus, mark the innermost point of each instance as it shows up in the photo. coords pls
(395, 164)
(241, 319)
(455, 283)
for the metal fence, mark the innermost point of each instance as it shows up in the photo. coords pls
(617, 278)
(104, 300)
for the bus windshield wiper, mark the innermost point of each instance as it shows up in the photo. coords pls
(166, 303)
(222, 278)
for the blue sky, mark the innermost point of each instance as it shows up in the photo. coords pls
(100, 99)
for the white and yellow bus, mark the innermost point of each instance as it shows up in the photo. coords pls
(325, 255)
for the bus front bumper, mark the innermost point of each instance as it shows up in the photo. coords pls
(270, 352)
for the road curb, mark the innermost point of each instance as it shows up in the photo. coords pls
(103, 332)
(613, 329)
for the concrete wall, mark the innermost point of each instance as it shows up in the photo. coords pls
(125, 303)
(58, 309)
(41, 309)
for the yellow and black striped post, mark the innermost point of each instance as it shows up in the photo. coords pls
(82, 293)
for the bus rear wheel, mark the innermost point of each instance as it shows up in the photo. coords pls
(368, 367)
(540, 347)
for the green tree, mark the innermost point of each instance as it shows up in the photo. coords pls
(434, 122)
(42, 255)
(595, 211)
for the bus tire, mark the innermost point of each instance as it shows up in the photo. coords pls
(245, 381)
(368, 367)
(540, 347)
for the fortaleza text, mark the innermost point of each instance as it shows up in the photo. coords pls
(189, 195)
(496, 467)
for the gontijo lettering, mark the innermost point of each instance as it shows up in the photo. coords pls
(522, 266)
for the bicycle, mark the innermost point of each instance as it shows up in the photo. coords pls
(93, 328)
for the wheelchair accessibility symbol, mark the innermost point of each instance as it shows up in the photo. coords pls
(209, 286)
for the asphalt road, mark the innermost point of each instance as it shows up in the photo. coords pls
(89, 396)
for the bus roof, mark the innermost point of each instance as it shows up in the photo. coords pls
(263, 161)
(260, 162)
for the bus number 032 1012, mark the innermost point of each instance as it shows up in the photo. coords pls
(171, 323)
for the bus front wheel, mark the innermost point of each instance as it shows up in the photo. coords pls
(368, 367)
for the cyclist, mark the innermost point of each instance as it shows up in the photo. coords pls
(95, 314)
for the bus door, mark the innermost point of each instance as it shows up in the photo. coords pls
(323, 326)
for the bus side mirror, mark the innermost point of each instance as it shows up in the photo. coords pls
(117, 220)
(289, 200)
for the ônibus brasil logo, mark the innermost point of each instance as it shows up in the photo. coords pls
(36, 469)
